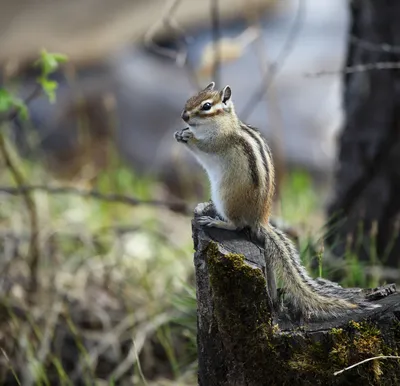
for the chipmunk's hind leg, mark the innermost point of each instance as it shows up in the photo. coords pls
(208, 221)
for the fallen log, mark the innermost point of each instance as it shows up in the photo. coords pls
(242, 342)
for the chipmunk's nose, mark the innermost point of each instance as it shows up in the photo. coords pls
(185, 116)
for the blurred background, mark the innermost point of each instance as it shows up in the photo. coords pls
(97, 281)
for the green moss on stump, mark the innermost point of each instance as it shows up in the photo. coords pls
(346, 346)
(245, 326)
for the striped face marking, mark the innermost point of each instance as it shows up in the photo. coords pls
(207, 104)
(210, 108)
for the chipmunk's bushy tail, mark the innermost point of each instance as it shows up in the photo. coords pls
(316, 298)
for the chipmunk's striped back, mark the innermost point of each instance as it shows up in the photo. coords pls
(266, 169)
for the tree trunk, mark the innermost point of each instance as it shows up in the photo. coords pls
(365, 210)
(241, 342)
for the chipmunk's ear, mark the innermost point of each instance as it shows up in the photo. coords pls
(226, 94)
(210, 87)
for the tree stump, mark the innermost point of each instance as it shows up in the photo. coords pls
(241, 342)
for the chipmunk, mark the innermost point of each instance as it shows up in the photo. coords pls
(240, 168)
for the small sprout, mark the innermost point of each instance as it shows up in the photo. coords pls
(49, 63)
(9, 102)
(5, 101)
(49, 87)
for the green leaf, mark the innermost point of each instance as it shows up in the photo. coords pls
(6, 100)
(49, 87)
(49, 62)
(9, 102)
(60, 58)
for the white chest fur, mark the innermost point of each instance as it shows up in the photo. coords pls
(215, 171)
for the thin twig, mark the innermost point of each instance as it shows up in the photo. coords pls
(180, 56)
(371, 46)
(149, 42)
(179, 207)
(29, 202)
(32, 213)
(215, 26)
(278, 64)
(357, 68)
(366, 360)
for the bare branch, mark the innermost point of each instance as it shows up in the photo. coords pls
(357, 68)
(29, 202)
(371, 46)
(177, 206)
(278, 64)
(165, 20)
(180, 56)
(216, 36)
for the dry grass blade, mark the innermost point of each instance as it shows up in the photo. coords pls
(138, 343)
(52, 320)
(364, 361)
(10, 366)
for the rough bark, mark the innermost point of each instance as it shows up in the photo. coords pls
(241, 343)
(366, 206)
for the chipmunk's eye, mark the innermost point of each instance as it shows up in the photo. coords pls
(206, 106)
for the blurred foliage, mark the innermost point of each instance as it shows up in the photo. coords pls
(133, 254)
(48, 63)
(298, 198)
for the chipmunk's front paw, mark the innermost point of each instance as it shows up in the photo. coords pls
(205, 221)
(183, 135)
